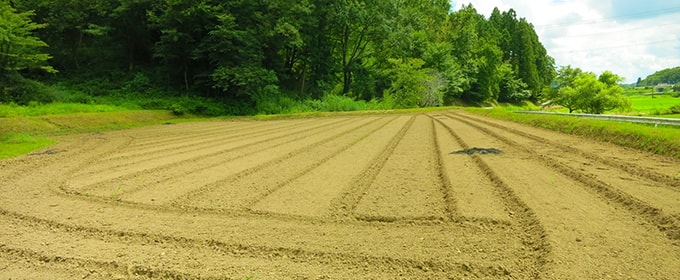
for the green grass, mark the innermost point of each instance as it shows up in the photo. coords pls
(12, 145)
(653, 105)
(659, 140)
(13, 110)
(22, 135)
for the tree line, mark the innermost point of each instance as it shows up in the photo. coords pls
(406, 52)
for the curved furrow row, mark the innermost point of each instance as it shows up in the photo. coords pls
(281, 164)
(657, 215)
(334, 150)
(611, 160)
(312, 194)
(533, 234)
(577, 221)
(213, 146)
(247, 188)
(201, 140)
(345, 204)
(105, 253)
(162, 184)
(187, 132)
(197, 159)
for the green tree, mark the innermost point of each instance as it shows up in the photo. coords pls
(591, 94)
(20, 49)
(409, 87)
(356, 24)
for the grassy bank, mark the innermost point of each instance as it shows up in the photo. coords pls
(23, 134)
(659, 140)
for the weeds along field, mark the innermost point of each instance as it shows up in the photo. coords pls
(345, 197)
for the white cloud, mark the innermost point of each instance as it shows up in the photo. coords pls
(630, 38)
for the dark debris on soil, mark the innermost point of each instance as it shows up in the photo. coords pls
(481, 151)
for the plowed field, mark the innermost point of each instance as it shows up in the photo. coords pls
(348, 197)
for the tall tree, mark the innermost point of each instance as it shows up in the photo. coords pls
(19, 48)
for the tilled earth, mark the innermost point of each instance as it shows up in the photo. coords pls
(369, 197)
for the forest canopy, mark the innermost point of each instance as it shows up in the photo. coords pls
(407, 53)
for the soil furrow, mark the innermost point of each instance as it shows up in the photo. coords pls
(318, 162)
(533, 232)
(665, 222)
(202, 140)
(163, 253)
(191, 151)
(367, 197)
(409, 185)
(196, 158)
(627, 166)
(450, 202)
(212, 194)
(311, 195)
(344, 205)
(576, 220)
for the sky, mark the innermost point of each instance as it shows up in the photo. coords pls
(631, 38)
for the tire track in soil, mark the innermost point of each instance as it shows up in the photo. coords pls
(589, 236)
(247, 186)
(170, 166)
(533, 233)
(344, 205)
(409, 186)
(630, 167)
(192, 151)
(666, 223)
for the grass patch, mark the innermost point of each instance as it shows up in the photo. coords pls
(22, 135)
(659, 140)
(34, 109)
(12, 145)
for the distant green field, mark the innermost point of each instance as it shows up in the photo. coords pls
(653, 103)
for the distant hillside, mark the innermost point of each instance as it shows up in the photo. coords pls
(668, 76)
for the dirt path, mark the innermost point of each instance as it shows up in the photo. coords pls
(372, 197)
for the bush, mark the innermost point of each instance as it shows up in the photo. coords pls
(674, 110)
(17, 89)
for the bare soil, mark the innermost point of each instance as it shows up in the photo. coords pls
(365, 197)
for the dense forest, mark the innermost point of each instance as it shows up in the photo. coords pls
(259, 54)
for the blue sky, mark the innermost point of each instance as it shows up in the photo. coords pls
(631, 38)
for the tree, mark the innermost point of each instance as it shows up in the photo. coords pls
(355, 24)
(591, 94)
(19, 48)
(410, 85)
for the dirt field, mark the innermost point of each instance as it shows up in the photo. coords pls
(370, 197)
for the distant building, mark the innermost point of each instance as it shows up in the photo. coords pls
(662, 87)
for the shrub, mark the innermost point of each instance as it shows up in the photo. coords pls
(674, 110)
